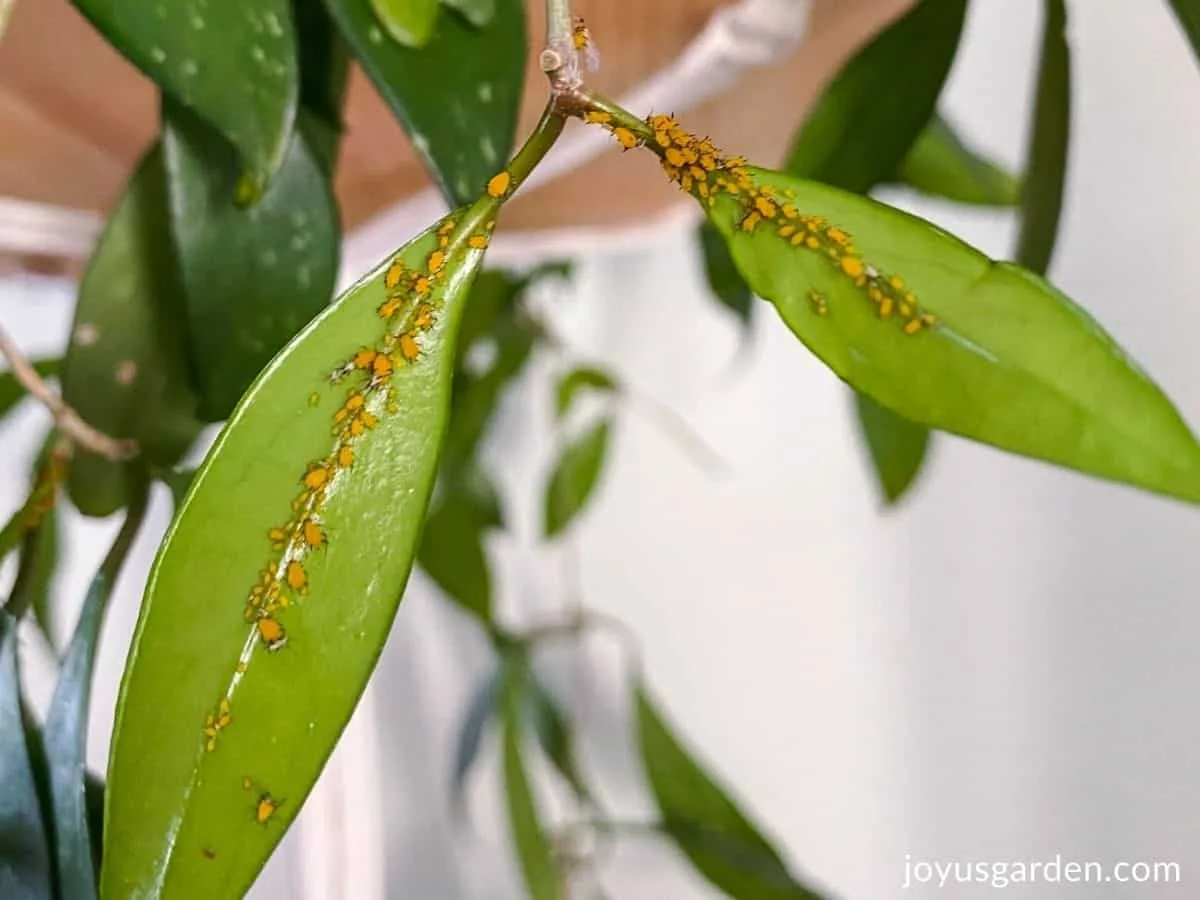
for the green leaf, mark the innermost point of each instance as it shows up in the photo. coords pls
(478, 12)
(65, 734)
(533, 849)
(1046, 168)
(43, 494)
(940, 164)
(1188, 12)
(179, 481)
(868, 118)
(1007, 359)
(25, 864)
(553, 731)
(32, 588)
(324, 72)
(575, 478)
(705, 823)
(452, 553)
(252, 277)
(584, 377)
(479, 712)
(724, 279)
(11, 391)
(410, 22)
(234, 64)
(457, 97)
(125, 370)
(277, 583)
(896, 444)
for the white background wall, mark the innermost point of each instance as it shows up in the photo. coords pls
(1002, 669)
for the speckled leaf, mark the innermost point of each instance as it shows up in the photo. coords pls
(252, 277)
(705, 823)
(575, 477)
(410, 22)
(897, 447)
(941, 164)
(24, 855)
(11, 391)
(1188, 12)
(1050, 138)
(477, 12)
(276, 585)
(529, 839)
(234, 63)
(1004, 358)
(125, 370)
(65, 734)
(457, 97)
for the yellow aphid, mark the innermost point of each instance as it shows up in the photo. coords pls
(789, 211)
(897, 282)
(852, 266)
(297, 579)
(314, 536)
(265, 809)
(390, 307)
(357, 426)
(597, 117)
(364, 358)
(317, 476)
(751, 221)
(766, 207)
(436, 260)
(786, 230)
(424, 317)
(674, 156)
(811, 242)
(422, 285)
(885, 307)
(367, 419)
(582, 39)
(445, 228)
(271, 632)
(314, 398)
(345, 456)
(662, 137)
(499, 184)
(799, 238)
(409, 348)
(381, 367)
(276, 535)
(477, 242)
(625, 137)
(394, 273)
(912, 326)
(838, 236)
(355, 401)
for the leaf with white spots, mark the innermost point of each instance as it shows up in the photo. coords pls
(233, 63)
(277, 583)
(125, 371)
(457, 97)
(253, 277)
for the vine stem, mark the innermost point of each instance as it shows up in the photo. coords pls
(66, 419)
(560, 59)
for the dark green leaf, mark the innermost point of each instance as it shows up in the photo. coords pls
(470, 734)
(897, 446)
(24, 857)
(1188, 12)
(125, 371)
(324, 69)
(65, 734)
(457, 97)
(179, 481)
(35, 572)
(279, 579)
(11, 392)
(232, 63)
(252, 277)
(1046, 167)
(724, 279)
(410, 22)
(533, 848)
(452, 553)
(43, 494)
(579, 379)
(575, 477)
(940, 164)
(868, 118)
(704, 821)
(477, 12)
(478, 486)
(553, 731)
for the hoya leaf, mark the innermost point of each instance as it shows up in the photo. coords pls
(479, 713)
(575, 477)
(724, 280)
(867, 119)
(252, 277)
(324, 71)
(452, 553)
(941, 164)
(33, 585)
(234, 64)
(277, 582)
(457, 97)
(25, 861)
(937, 332)
(11, 391)
(125, 370)
(477, 12)
(897, 446)
(1188, 13)
(1046, 168)
(410, 22)
(65, 734)
(553, 731)
(582, 378)
(533, 849)
(705, 823)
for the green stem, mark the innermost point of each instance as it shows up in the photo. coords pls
(620, 116)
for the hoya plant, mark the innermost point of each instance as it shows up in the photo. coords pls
(350, 446)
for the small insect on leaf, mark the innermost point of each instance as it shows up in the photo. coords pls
(301, 526)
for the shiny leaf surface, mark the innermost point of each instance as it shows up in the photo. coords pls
(409, 22)
(234, 64)
(301, 526)
(457, 97)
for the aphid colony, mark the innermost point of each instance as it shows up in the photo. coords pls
(700, 169)
(408, 311)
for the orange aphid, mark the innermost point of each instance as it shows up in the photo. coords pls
(394, 273)
(271, 632)
(625, 137)
(314, 536)
(390, 307)
(297, 579)
(499, 184)
(345, 456)
(381, 367)
(409, 348)
(477, 242)
(364, 358)
(436, 260)
(424, 317)
(317, 476)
